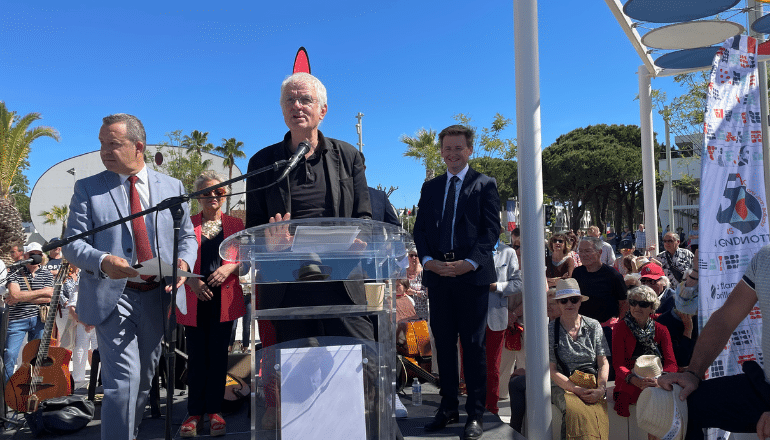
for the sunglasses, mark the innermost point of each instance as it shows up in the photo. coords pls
(648, 281)
(516, 247)
(413, 255)
(642, 304)
(556, 240)
(219, 192)
(572, 299)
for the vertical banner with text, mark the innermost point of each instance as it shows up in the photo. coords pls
(733, 212)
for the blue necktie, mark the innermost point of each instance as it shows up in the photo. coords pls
(445, 229)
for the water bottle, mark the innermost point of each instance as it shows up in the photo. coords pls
(416, 393)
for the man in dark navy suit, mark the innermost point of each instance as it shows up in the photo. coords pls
(457, 227)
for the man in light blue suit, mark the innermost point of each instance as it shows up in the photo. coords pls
(129, 316)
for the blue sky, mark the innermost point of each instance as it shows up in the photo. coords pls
(217, 67)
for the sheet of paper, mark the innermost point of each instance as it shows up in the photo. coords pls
(320, 239)
(156, 265)
(322, 393)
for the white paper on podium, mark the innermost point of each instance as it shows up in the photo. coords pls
(320, 239)
(322, 393)
(155, 266)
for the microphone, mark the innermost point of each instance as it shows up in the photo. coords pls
(33, 259)
(302, 150)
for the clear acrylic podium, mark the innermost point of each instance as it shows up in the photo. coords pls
(330, 386)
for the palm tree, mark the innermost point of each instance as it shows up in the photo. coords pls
(230, 149)
(197, 142)
(15, 141)
(55, 215)
(424, 146)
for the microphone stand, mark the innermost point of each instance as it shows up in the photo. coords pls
(174, 205)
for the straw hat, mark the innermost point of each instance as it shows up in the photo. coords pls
(568, 287)
(648, 365)
(656, 410)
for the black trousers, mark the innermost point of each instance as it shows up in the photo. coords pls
(320, 294)
(207, 359)
(460, 309)
(731, 403)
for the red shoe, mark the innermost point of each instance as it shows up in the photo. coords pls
(190, 426)
(218, 425)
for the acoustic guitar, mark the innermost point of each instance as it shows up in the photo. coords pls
(44, 372)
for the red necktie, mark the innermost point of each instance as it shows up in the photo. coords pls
(141, 240)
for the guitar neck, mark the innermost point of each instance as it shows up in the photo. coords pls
(45, 341)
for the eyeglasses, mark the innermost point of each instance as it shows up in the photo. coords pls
(304, 100)
(669, 241)
(572, 299)
(649, 281)
(219, 192)
(642, 304)
(557, 240)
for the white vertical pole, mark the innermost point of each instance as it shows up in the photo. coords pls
(648, 159)
(671, 218)
(532, 218)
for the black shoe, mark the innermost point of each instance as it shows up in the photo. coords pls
(441, 419)
(474, 428)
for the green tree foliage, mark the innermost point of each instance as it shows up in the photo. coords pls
(594, 167)
(424, 147)
(55, 215)
(19, 190)
(504, 171)
(197, 142)
(685, 112)
(230, 149)
(16, 138)
(183, 165)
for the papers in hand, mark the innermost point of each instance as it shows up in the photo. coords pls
(321, 239)
(157, 266)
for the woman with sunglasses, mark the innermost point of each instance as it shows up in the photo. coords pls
(578, 364)
(417, 291)
(635, 335)
(213, 302)
(560, 263)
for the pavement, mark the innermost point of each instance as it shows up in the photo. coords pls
(238, 423)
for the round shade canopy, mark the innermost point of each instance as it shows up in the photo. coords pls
(668, 11)
(761, 25)
(691, 34)
(688, 58)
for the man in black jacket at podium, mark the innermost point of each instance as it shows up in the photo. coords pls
(328, 181)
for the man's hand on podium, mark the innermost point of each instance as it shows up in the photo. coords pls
(278, 238)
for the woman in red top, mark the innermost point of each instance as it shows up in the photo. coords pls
(213, 302)
(635, 335)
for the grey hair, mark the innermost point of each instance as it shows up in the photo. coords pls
(596, 242)
(134, 127)
(209, 175)
(644, 293)
(306, 78)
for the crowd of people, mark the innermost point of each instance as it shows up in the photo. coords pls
(629, 318)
